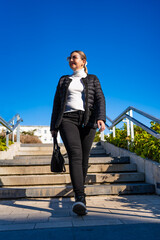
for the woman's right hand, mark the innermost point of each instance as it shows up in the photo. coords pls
(54, 133)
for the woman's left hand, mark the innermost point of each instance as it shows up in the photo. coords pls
(101, 125)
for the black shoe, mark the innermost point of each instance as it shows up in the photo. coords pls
(79, 207)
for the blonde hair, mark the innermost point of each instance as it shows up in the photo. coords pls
(83, 56)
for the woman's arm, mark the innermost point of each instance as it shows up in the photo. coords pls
(55, 111)
(100, 105)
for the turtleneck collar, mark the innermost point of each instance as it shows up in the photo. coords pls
(79, 73)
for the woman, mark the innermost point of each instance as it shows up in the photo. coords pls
(78, 109)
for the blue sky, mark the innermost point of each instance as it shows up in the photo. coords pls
(120, 38)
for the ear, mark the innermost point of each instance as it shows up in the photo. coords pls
(84, 61)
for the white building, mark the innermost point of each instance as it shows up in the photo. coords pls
(42, 132)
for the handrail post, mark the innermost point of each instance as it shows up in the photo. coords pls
(7, 138)
(132, 127)
(128, 130)
(18, 130)
(102, 136)
(13, 133)
(128, 127)
(114, 132)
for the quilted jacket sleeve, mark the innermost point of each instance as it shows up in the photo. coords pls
(100, 101)
(56, 107)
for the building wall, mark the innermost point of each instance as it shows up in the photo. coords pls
(43, 132)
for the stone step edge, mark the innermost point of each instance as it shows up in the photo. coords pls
(23, 145)
(67, 191)
(38, 186)
(48, 174)
(33, 180)
(90, 165)
(64, 155)
(49, 153)
(131, 170)
(92, 160)
(67, 174)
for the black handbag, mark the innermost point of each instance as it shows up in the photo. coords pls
(57, 161)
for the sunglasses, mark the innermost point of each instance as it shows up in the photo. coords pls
(73, 57)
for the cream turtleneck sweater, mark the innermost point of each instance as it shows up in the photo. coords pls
(75, 98)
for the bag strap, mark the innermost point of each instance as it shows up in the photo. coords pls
(55, 143)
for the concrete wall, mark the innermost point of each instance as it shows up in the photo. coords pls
(150, 168)
(10, 152)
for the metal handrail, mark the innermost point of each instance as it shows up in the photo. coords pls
(125, 115)
(5, 124)
(12, 120)
(10, 126)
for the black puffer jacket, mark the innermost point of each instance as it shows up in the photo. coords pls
(94, 101)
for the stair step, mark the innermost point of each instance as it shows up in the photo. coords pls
(66, 191)
(30, 180)
(38, 149)
(45, 160)
(45, 169)
(37, 145)
(46, 150)
(43, 145)
(36, 153)
(98, 150)
(49, 152)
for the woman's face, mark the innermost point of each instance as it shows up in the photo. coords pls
(75, 61)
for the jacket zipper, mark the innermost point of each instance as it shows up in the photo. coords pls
(84, 80)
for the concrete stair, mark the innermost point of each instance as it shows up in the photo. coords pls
(28, 175)
(45, 169)
(46, 149)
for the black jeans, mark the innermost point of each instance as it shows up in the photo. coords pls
(78, 141)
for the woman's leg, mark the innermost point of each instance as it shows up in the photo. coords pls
(71, 138)
(87, 137)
